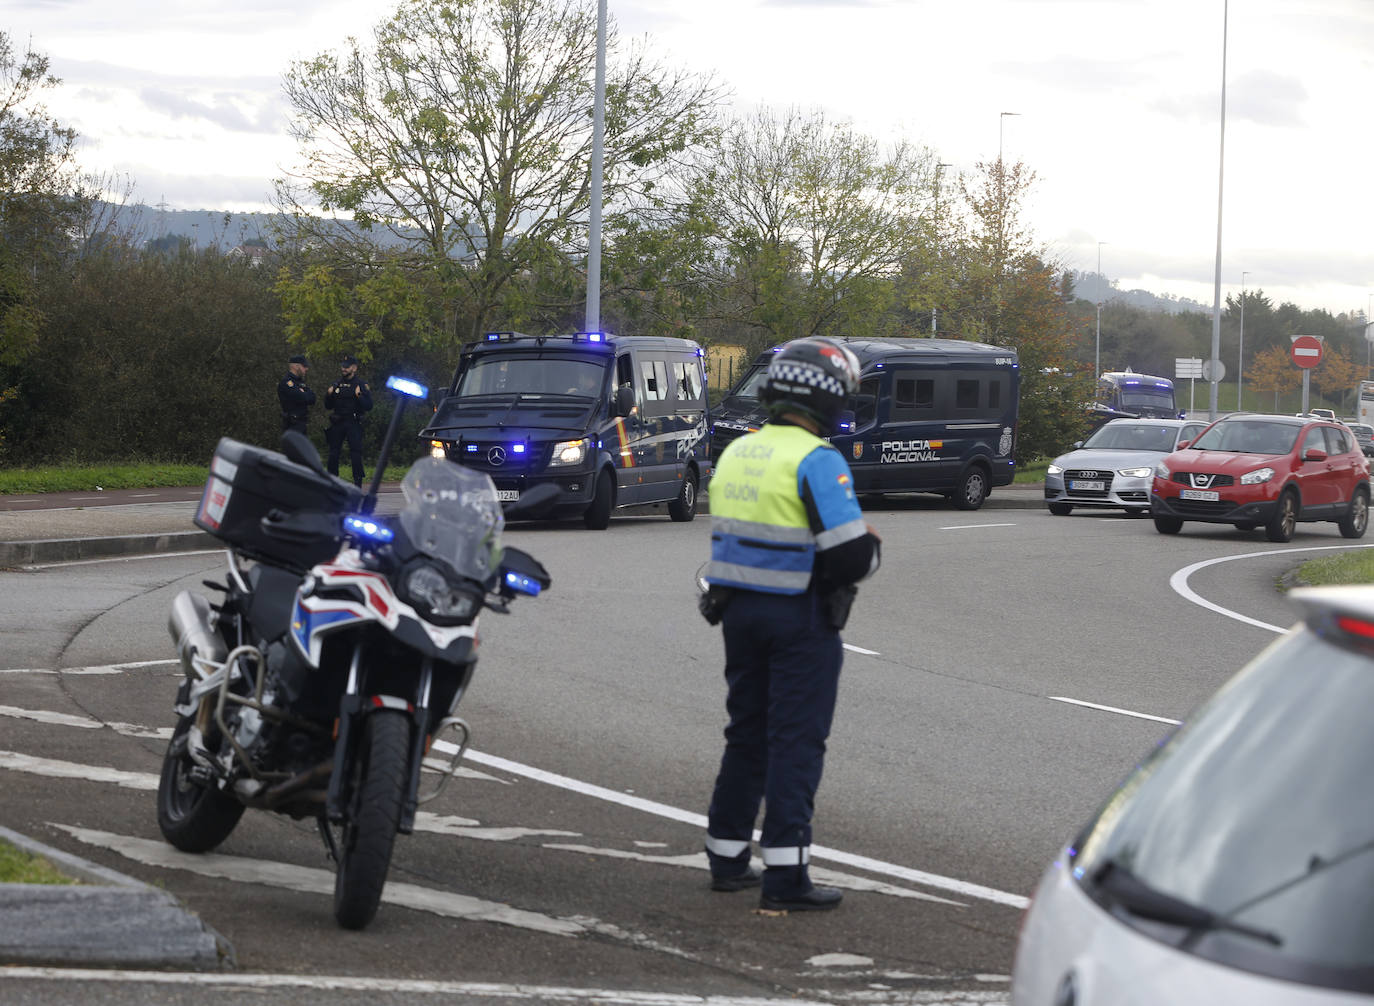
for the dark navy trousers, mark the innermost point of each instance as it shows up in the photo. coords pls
(782, 666)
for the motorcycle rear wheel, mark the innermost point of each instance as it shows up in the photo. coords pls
(377, 787)
(194, 818)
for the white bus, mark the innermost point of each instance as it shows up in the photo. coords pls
(1364, 403)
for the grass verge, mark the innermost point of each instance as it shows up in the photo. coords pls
(1334, 570)
(20, 867)
(133, 475)
(1031, 471)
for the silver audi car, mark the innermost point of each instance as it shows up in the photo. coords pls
(1114, 467)
(1235, 865)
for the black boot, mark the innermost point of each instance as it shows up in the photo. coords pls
(789, 889)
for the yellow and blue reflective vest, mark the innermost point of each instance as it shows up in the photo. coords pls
(778, 497)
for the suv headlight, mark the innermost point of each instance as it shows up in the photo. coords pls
(1136, 473)
(431, 593)
(569, 452)
(1257, 477)
(1162, 471)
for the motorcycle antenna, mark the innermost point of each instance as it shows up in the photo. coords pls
(405, 389)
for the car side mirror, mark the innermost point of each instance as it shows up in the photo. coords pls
(624, 400)
(1315, 454)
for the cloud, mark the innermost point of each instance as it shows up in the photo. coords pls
(235, 111)
(1259, 96)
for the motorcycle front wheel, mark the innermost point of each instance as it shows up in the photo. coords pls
(377, 779)
(193, 817)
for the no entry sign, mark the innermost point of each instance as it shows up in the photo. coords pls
(1306, 351)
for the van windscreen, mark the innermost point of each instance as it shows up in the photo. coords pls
(496, 374)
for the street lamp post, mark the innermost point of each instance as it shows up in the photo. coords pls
(1097, 346)
(1240, 355)
(938, 166)
(1000, 120)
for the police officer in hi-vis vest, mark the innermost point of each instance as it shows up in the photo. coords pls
(788, 543)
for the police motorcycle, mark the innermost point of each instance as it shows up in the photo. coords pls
(322, 681)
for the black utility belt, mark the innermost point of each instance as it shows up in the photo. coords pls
(350, 417)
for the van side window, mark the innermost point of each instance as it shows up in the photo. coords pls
(912, 395)
(965, 394)
(687, 382)
(866, 402)
(655, 380)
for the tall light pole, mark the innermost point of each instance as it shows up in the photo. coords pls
(942, 164)
(1240, 355)
(1212, 378)
(593, 318)
(1097, 352)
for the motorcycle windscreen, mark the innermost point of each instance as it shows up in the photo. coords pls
(452, 514)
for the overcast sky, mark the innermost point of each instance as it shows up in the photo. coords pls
(1117, 104)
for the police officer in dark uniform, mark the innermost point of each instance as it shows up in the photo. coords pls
(348, 400)
(294, 396)
(788, 543)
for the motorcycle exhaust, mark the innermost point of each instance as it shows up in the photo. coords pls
(189, 625)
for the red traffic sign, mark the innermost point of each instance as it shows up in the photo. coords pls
(1306, 351)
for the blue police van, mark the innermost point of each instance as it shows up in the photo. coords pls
(611, 421)
(931, 416)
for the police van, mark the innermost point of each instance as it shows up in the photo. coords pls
(611, 421)
(931, 416)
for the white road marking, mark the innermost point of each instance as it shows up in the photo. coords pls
(961, 887)
(1179, 582)
(55, 769)
(860, 649)
(1114, 709)
(965, 527)
(137, 496)
(413, 986)
(93, 669)
(122, 558)
(293, 877)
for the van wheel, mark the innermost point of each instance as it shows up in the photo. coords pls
(597, 517)
(1355, 521)
(972, 489)
(1060, 509)
(684, 508)
(1285, 520)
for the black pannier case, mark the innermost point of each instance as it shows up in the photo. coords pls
(249, 483)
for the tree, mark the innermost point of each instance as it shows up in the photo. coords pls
(1272, 371)
(463, 136)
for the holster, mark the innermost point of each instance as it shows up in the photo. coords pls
(712, 603)
(836, 602)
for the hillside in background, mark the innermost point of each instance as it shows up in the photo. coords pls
(1087, 284)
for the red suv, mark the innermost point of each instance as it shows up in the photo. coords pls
(1270, 471)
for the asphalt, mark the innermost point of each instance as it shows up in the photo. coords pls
(108, 919)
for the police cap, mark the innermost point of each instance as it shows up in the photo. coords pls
(299, 359)
(349, 361)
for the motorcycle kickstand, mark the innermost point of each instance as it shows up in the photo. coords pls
(331, 847)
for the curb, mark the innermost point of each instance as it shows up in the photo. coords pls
(23, 553)
(109, 919)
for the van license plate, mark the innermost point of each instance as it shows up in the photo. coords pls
(1088, 487)
(1207, 495)
(508, 495)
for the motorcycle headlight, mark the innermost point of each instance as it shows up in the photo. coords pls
(434, 596)
(569, 452)
(1257, 477)
(1136, 473)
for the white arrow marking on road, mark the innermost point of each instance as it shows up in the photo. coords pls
(71, 770)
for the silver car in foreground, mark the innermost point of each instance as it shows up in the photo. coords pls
(1114, 467)
(1235, 864)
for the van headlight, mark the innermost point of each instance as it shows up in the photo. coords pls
(569, 452)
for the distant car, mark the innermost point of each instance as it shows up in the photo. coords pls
(1364, 436)
(1235, 863)
(1113, 468)
(1327, 414)
(1272, 471)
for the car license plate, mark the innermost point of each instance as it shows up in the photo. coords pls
(508, 495)
(1088, 487)
(1207, 495)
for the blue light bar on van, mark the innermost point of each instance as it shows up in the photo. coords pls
(363, 527)
(407, 387)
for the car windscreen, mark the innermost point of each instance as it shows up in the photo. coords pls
(501, 374)
(1257, 811)
(1133, 437)
(1248, 436)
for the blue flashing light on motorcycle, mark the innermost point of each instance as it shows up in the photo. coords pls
(522, 584)
(365, 528)
(407, 387)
